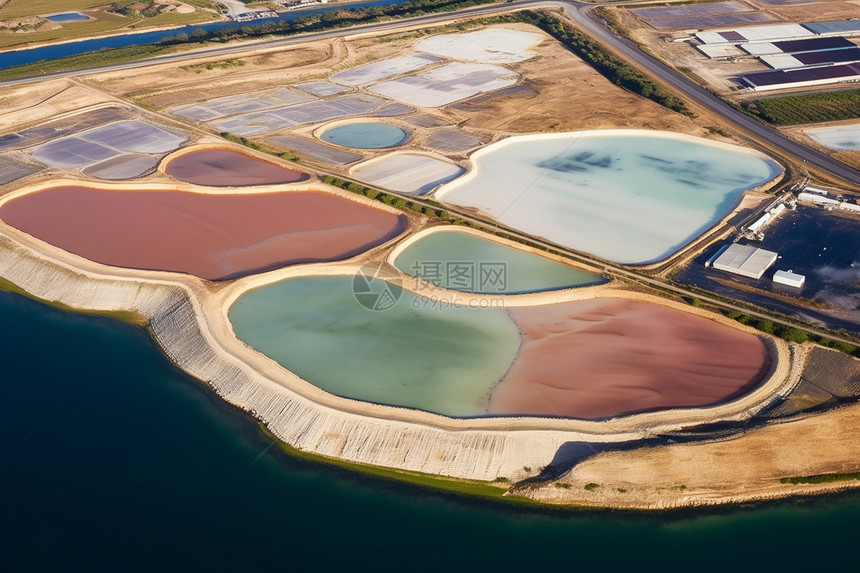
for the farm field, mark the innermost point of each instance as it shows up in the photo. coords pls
(102, 22)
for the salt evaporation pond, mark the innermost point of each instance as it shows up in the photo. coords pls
(68, 17)
(627, 196)
(464, 262)
(604, 357)
(211, 236)
(227, 168)
(841, 137)
(488, 46)
(583, 359)
(410, 173)
(365, 135)
(442, 360)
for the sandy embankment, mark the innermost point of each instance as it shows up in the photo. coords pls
(745, 468)
(189, 322)
(606, 357)
(212, 236)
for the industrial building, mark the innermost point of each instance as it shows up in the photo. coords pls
(834, 28)
(797, 46)
(800, 55)
(819, 58)
(803, 77)
(768, 33)
(816, 198)
(789, 278)
(744, 260)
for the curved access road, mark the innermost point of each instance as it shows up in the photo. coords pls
(579, 13)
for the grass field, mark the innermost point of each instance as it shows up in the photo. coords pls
(22, 8)
(103, 24)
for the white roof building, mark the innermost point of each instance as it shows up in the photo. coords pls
(767, 33)
(745, 260)
(788, 278)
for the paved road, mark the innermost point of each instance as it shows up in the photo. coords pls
(578, 12)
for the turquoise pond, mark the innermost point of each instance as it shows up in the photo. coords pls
(365, 135)
(416, 354)
(68, 17)
(464, 262)
(627, 197)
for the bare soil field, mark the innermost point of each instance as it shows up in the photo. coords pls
(566, 94)
(31, 104)
(744, 468)
(811, 11)
(160, 87)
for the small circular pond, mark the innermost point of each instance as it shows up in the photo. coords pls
(365, 135)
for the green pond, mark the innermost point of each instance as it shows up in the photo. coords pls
(464, 262)
(365, 135)
(420, 353)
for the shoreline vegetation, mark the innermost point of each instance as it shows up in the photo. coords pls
(498, 490)
(127, 316)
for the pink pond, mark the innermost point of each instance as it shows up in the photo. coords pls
(605, 357)
(226, 168)
(215, 237)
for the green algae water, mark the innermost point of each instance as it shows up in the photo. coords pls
(365, 135)
(467, 263)
(112, 460)
(419, 353)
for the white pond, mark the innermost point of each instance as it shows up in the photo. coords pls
(632, 197)
(446, 84)
(489, 46)
(837, 137)
(412, 173)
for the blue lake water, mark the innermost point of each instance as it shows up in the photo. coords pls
(51, 52)
(114, 460)
(68, 17)
(365, 135)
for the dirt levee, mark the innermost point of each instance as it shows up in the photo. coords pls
(211, 236)
(226, 168)
(607, 356)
